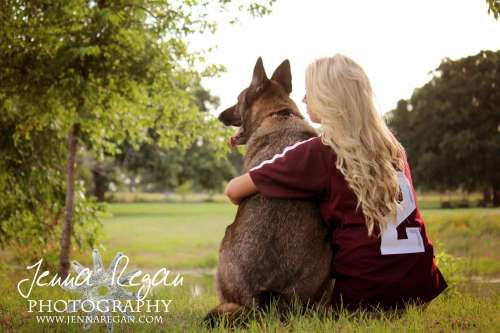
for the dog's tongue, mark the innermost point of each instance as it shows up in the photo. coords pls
(233, 141)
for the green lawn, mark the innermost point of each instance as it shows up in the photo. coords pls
(471, 235)
(155, 235)
(186, 237)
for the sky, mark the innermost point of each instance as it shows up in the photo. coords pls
(396, 42)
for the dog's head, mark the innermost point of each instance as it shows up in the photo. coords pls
(261, 99)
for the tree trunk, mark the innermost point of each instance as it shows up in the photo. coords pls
(496, 195)
(98, 172)
(64, 263)
(486, 196)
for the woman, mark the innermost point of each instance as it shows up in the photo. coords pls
(358, 171)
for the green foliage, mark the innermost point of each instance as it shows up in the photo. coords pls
(205, 169)
(154, 168)
(161, 169)
(116, 68)
(184, 189)
(450, 268)
(493, 7)
(32, 189)
(449, 126)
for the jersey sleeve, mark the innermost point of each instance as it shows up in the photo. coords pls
(301, 170)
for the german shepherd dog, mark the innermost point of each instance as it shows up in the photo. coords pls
(276, 249)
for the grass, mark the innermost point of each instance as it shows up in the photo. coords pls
(472, 235)
(154, 197)
(462, 311)
(171, 235)
(435, 200)
(186, 236)
(426, 200)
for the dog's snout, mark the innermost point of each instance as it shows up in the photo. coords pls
(230, 117)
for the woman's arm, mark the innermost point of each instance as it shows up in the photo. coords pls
(302, 170)
(239, 188)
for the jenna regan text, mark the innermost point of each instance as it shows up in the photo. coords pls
(145, 281)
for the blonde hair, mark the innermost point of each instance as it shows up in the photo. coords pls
(368, 155)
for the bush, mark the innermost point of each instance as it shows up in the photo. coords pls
(450, 266)
(32, 191)
(446, 204)
(184, 189)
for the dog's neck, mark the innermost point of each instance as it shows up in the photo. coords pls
(280, 129)
(286, 112)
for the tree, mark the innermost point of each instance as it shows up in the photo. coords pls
(161, 169)
(184, 189)
(493, 7)
(450, 126)
(32, 187)
(103, 72)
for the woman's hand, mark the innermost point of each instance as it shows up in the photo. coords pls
(239, 188)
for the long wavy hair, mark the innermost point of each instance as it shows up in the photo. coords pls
(368, 155)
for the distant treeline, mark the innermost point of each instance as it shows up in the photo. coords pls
(450, 127)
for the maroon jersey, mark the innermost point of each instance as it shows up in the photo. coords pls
(387, 270)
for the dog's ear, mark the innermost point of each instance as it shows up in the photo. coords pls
(283, 75)
(230, 116)
(259, 78)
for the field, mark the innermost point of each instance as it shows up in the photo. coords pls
(184, 237)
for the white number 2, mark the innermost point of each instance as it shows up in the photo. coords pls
(413, 243)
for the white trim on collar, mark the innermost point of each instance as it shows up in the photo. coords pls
(287, 149)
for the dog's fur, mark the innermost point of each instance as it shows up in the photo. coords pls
(275, 249)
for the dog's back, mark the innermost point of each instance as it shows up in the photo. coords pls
(275, 247)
